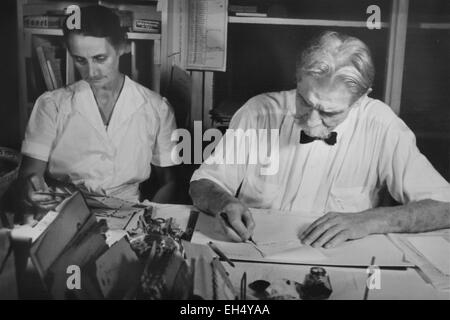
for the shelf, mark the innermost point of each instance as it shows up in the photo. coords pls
(429, 25)
(143, 36)
(59, 32)
(301, 22)
(44, 32)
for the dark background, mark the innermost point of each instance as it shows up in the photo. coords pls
(9, 105)
(259, 60)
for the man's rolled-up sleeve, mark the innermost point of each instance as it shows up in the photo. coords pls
(41, 129)
(407, 172)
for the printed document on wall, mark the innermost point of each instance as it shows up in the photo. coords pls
(207, 36)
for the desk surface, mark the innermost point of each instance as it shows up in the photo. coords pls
(347, 282)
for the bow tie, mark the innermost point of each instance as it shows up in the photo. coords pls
(331, 140)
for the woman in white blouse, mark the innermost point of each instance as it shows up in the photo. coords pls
(104, 133)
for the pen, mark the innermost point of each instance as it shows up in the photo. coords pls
(244, 286)
(366, 291)
(60, 194)
(220, 253)
(224, 217)
(67, 194)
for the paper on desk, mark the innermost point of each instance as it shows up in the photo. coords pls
(432, 274)
(117, 212)
(360, 252)
(277, 236)
(435, 249)
(351, 253)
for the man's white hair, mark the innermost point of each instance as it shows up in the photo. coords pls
(338, 56)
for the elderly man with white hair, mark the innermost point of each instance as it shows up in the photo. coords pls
(338, 149)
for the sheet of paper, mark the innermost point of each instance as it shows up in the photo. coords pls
(428, 271)
(276, 237)
(360, 252)
(42, 225)
(207, 34)
(117, 212)
(435, 249)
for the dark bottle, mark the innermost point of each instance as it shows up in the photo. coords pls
(317, 285)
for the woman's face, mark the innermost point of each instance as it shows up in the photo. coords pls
(95, 58)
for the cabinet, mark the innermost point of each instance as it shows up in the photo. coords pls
(144, 61)
(425, 99)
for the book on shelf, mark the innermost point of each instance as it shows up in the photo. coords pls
(233, 8)
(146, 25)
(250, 14)
(44, 68)
(49, 57)
(245, 11)
(43, 21)
(52, 74)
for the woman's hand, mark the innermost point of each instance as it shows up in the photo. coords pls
(38, 198)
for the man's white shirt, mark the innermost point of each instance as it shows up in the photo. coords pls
(374, 150)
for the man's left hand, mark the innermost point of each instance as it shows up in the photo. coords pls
(334, 228)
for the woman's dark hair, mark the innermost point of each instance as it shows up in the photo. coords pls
(98, 21)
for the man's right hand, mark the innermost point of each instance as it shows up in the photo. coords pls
(237, 221)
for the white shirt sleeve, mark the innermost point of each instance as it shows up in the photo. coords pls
(227, 165)
(162, 152)
(408, 173)
(41, 129)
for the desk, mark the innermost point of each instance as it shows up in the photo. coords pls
(347, 283)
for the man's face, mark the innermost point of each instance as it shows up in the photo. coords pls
(95, 58)
(321, 105)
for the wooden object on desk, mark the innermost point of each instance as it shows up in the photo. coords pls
(72, 238)
(8, 281)
(210, 281)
